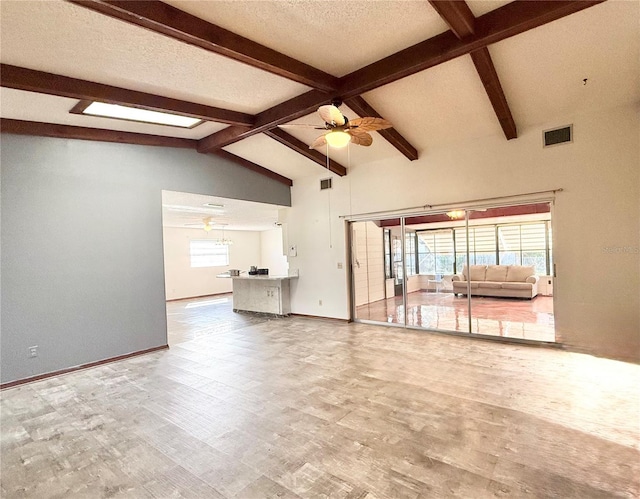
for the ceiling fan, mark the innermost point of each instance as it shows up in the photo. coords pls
(206, 224)
(341, 131)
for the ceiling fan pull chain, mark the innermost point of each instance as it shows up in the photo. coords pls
(330, 232)
(327, 155)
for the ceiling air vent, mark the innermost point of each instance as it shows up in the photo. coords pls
(558, 136)
(325, 183)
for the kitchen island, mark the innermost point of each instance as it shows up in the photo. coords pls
(262, 293)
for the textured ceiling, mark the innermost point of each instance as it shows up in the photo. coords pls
(541, 70)
(62, 38)
(455, 105)
(333, 36)
(184, 210)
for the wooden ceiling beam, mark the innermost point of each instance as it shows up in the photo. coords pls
(489, 77)
(254, 167)
(510, 20)
(300, 147)
(21, 127)
(40, 129)
(31, 80)
(292, 109)
(499, 24)
(458, 15)
(362, 108)
(179, 25)
(216, 141)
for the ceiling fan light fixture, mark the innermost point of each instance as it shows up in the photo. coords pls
(455, 214)
(337, 138)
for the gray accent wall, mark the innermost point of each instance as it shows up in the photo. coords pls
(81, 272)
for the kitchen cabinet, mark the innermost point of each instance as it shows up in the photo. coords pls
(265, 294)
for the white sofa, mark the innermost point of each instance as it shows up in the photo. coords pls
(509, 281)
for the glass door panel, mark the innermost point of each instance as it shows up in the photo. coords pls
(510, 295)
(431, 302)
(377, 272)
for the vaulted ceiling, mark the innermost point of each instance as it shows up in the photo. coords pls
(440, 71)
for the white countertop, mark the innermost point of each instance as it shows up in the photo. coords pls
(264, 277)
(244, 275)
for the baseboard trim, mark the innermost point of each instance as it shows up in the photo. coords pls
(346, 321)
(39, 377)
(200, 296)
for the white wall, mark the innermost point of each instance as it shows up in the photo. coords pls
(597, 290)
(263, 249)
(183, 281)
(272, 254)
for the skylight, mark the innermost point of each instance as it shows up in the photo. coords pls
(142, 115)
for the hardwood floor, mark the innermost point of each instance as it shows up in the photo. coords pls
(190, 319)
(509, 318)
(252, 407)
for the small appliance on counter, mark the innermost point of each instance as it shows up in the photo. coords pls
(234, 272)
(256, 271)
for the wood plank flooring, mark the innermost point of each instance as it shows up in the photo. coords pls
(248, 407)
(505, 317)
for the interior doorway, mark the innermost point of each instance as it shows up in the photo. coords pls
(206, 236)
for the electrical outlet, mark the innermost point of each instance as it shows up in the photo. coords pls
(339, 265)
(33, 351)
(320, 302)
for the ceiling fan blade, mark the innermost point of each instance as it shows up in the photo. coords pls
(331, 114)
(361, 139)
(369, 124)
(320, 141)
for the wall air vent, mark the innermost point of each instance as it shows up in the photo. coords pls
(558, 136)
(325, 183)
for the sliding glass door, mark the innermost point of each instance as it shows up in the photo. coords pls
(479, 271)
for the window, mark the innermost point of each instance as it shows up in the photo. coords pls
(482, 246)
(207, 253)
(435, 252)
(410, 252)
(396, 250)
(483, 240)
(388, 272)
(444, 251)
(525, 244)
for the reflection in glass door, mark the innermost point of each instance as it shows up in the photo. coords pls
(430, 303)
(377, 272)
